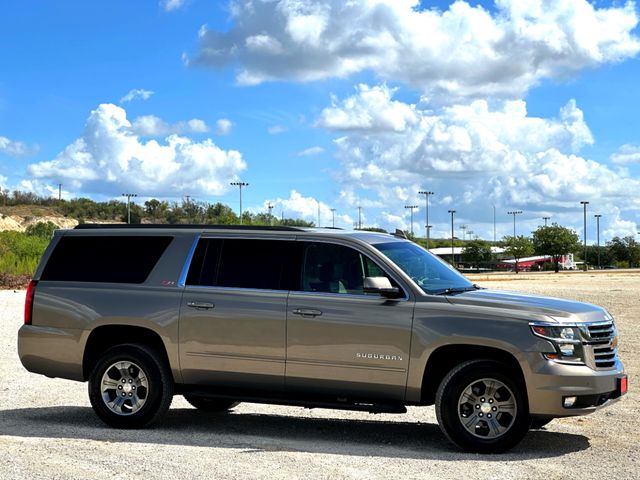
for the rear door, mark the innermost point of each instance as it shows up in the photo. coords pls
(341, 341)
(233, 313)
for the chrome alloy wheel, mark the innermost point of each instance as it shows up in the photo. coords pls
(487, 408)
(124, 388)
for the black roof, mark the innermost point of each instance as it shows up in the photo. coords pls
(151, 226)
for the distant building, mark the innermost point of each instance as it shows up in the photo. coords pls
(504, 262)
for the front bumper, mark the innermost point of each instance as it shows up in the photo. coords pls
(549, 383)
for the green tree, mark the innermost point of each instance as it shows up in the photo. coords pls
(556, 241)
(625, 249)
(41, 229)
(477, 252)
(518, 247)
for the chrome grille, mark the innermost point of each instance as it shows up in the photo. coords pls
(600, 345)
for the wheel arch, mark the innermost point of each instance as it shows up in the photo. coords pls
(443, 359)
(105, 337)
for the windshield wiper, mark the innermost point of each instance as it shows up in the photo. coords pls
(450, 290)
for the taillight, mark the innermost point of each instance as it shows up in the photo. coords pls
(28, 302)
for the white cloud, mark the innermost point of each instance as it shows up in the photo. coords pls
(311, 151)
(464, 51)
(137, 93)
(152, 126)
(626, 154)
(110, 157)
(306, 208)
(472, 156)
(618, 227)
(224, 126)
(170, 5)
(276, 129)
(16, 149)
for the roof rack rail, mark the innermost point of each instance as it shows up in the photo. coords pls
(151, 226)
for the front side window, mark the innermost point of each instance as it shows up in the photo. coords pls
(330, 268)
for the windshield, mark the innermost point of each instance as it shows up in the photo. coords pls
(432, 274)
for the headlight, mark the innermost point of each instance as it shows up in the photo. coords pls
(566, 340)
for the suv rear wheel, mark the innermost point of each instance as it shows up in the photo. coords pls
(130, 387)
(482, 408)
(207, 404)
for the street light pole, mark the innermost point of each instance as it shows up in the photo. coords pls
(598, 237)
(240, 185)
(411, 207)
(584, 204)
(545, 220)
(464, 232)
(426, 194)
(514, 213)
(359, 217)
(270, 207)
(452, 212)
(333, 218)
(319, 225)
(129, 196)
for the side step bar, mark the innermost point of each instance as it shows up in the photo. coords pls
(336, 404)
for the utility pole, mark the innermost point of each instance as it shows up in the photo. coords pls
(545, 220)
(129, 196)
(411, 207)
(240, 185)
(319, 225)
(359, 218)
(453, 262)
(333, 218)
(59, 191)
(270, 207)
(584, 204)
(514, 213)
(598, 237)
(426, 194)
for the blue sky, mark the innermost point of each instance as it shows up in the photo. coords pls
(522, 105)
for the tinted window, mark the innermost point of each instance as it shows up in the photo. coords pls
(239, 263)
(333, 268)
(105, 259)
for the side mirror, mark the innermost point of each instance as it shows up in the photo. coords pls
(381, 286)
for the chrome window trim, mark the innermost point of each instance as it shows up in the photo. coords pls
(187, 262)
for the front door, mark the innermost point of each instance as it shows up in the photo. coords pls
(341, 341)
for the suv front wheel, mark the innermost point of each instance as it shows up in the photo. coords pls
(130, 387)
(481, 407)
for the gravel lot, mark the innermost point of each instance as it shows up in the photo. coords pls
(48, 430)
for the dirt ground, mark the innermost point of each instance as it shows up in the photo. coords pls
(48, 430)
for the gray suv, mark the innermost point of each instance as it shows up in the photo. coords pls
(320, 318)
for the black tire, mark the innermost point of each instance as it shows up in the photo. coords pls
(486, 437)
(143, 367)
(208, 404)
(539, 423)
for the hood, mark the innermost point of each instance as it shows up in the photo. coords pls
(566, 311)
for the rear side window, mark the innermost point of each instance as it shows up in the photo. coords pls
(112, 259)
(244, 263)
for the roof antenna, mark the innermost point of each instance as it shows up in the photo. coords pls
(400, 234)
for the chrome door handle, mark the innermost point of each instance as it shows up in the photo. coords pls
(200, 305)
(307, 312)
